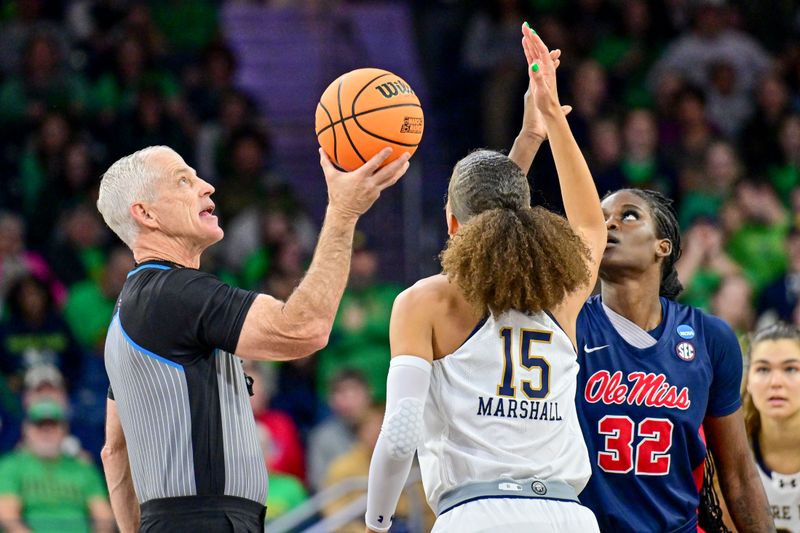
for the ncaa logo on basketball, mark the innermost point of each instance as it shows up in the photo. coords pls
(685, 351)
(411, 125)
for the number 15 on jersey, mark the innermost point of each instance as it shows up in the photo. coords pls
(527, 360)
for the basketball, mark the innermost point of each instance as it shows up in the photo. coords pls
(364, 111)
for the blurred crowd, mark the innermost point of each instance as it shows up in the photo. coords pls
(699, 99)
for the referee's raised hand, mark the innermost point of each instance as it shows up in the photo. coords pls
(351, 194)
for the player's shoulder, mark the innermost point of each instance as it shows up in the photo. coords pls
(174, 282)
(432, 289)
(187, 274)
(687, 314)
(714, 324)
(432, 293)
(719, 337)
(711, 325)
(165, 296)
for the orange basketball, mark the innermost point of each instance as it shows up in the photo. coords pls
(364, 111)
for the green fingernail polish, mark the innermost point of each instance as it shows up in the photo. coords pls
(534, 31)
(527, 25)
(535, 67)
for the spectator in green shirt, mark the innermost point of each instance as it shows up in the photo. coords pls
(642, 164)
(705, 188)
(90, 305)
(628, 53)
(703, 264)
(285, 493)
(733, 303)
(43, 490)
(784, 174)
(360, 336)
(757, 225)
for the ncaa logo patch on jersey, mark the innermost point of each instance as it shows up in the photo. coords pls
(685, 351)
(685, 331)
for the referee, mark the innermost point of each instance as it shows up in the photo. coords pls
(181, 450)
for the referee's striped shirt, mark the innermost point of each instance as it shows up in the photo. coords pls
(180, 392)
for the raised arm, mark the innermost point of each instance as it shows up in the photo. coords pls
(118, 473)
(411, 339)
(578, 191)
(300, 326)
(533, 132)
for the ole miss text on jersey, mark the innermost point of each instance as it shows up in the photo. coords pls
(641, 411)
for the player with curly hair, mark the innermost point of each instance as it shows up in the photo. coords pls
(482, 377)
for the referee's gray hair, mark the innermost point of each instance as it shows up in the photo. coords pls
(129, 180)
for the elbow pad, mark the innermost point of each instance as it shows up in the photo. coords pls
(403, 427)
(402, 430)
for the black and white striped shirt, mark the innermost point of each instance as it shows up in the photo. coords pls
(180, 392)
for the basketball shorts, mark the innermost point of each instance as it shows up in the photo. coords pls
(510, 515)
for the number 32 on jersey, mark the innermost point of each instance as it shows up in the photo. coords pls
(652, 451)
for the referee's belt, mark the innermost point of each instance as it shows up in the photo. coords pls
(507, 488)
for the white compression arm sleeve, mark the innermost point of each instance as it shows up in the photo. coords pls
(406, 390)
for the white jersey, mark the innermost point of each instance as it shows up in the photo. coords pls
(503, 406)
(783, 495)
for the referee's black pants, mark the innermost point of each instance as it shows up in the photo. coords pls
(206, 514)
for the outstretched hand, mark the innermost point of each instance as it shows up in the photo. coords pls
(532, 121)
(534, 128)
(352, 193)
(542, 72)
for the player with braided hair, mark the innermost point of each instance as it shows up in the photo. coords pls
(655, 377)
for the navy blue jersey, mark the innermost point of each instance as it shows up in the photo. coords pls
(641, 412)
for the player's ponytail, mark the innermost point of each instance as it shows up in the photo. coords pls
(666, 228)
(506, 254)
(527, 259)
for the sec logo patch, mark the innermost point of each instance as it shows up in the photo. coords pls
(685, 351)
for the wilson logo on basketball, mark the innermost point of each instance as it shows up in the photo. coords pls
(651, 390)
(411, 125)
(390, 89)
